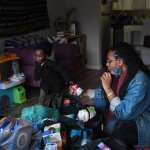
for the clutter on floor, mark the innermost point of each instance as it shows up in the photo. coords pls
(75, 124)
(70, 126)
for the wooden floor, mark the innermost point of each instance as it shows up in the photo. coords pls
(86, 79)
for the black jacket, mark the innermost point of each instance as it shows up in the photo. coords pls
(53, 77)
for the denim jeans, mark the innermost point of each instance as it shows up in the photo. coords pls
(100, 101)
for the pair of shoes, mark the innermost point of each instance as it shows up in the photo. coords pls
(17, 77)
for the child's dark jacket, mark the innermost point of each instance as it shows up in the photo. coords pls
(53, 77)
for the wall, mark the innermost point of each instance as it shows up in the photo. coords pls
(105, 30)
(55, 8)
(146, 29)
(88, 15)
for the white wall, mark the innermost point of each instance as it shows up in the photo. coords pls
(88, 12)
(55, 8)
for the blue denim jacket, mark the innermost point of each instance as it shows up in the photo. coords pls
(135, 105)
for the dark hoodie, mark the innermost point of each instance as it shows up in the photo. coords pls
(53, 77)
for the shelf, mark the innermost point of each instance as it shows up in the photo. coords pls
(4, 86)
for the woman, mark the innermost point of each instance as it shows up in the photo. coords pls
(127, 88)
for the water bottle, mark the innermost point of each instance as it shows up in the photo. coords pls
(15, 67)
(84, 138)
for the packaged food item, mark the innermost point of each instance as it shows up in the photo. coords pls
(76, 90)
(50, 146)
(52, 137)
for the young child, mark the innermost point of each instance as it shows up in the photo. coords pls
(53, 78)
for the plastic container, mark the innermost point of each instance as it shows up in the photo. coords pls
(19, 95)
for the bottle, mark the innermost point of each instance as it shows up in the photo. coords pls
(84, 138)
(15, 67)
(67, 108)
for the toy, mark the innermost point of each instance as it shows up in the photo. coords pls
(19, 95)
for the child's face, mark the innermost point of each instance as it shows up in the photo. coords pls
(39, 56)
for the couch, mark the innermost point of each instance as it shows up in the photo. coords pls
(65, 54)
(24, 47)
(68, 55)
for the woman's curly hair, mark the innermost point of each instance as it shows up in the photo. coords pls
(133, 61)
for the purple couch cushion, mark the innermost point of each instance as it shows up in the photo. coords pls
(68, 56)
(29, 74)
(26, 55)
(66, 51)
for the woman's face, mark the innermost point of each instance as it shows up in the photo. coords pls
(112, 62)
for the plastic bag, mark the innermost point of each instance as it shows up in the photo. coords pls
(36, 113)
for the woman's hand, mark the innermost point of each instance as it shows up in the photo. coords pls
(106, 81)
